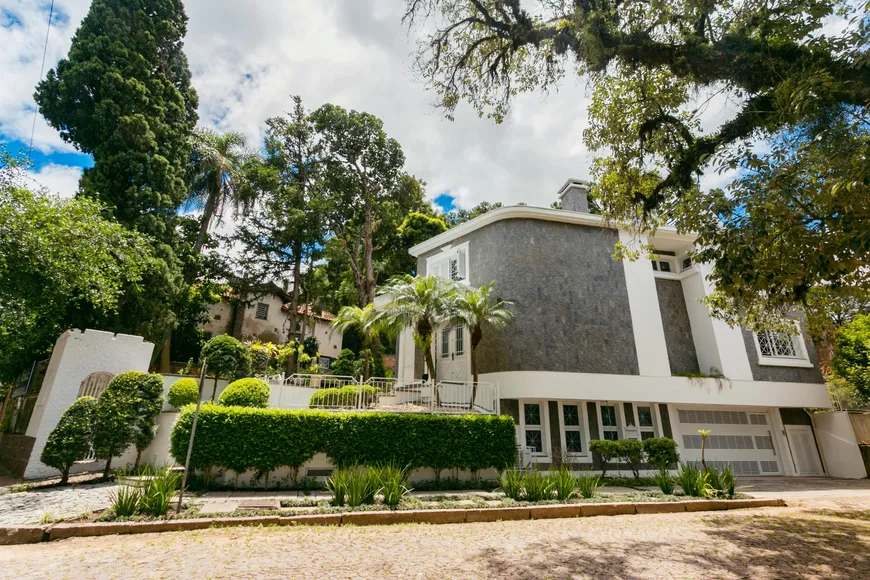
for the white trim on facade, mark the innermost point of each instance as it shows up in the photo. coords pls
(682, 390)
(583, 429)
(529, 212)
(545, 454)
(443, 259)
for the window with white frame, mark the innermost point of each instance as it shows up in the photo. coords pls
(460, 341)
(781, 348)
(445, 343)
(662, 265)
(262, 311)
(450, 264)
(572, 428)
(533, 427)
(609, 423)
(646, 422)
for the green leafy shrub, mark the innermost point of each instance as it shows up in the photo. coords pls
(125, 414)
(631, 453)
(587, 484)
(661, 451)
(564, 483)
(538, 487)
(664, 479)
(721, 481)
(344, 364)
(337, 486)
(606, 450)
(510, 481)
(226, 357)
(125, 501)
(694, 481)
(246, 393)
(241, 438)
(347, 396)
(70, 441)
(393, 482)
(362, 486)
(183, 392)
(160, 486)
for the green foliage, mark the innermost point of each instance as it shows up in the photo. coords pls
(70, 440)
(721, 482)
(510, 481)
(125, 413)
(393, 482)
(661, 451)
(460, 216)
(183, 392)
(587, 484)
(606, 450)
(538, 487)
(125, 501)
(311, 346)
(239, 439)
(694, 481)
(337, 486)
(160, 485)
(344, 364)
(246, 393)
(631, 453)
(362, 486)
(564, 483)
(63, 267)
(852, 354)
(225, 356)
(417, 227)
(347, 396)
(664, 479)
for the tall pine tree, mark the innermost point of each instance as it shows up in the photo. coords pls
(123, 95)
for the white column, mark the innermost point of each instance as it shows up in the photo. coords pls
(646, 318)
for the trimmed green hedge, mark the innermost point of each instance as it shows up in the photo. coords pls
(183, 392)
(240, 439)
(346, 396)
(248, 392)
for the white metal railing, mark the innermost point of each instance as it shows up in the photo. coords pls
(382, 394)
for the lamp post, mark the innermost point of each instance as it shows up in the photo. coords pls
(192, 434)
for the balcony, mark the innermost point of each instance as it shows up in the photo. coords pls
(338, 393)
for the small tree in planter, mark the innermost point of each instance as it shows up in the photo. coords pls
(125, 414)
(225, 357)
(607, 450)
(70, 441)
(631, 452)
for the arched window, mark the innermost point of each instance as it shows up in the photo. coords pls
(94, 384)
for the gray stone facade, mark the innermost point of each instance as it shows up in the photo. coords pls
(572, 312)
(678, 330)
(783, 374)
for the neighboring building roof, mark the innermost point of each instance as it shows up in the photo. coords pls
(529, 212)
(306, 310)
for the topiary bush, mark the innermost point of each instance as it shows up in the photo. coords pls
(246, 393)
(239, 439)
(345, 364)
(183, 392)
(606, 450)
(631, 453)
(225, 356)
(347, 396)
(70, 441)
(661, 451)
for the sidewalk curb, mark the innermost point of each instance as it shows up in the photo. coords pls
(13, 535)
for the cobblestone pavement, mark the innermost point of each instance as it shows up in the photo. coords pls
(27, 507)
(818, 539)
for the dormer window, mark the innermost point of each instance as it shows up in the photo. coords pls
(450, 264)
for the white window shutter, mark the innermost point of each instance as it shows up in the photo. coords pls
(463, 270)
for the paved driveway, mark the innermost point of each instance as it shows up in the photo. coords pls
(828, 540)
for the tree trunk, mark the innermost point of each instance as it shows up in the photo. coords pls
(64, 476)
(366, 360)
(214, 389)
(164, 353)
(294, 303)
(205, 221)
(108, 468)
(368, 251)
(138, 457)
(476, 336)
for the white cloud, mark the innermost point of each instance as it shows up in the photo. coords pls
(62, 180)
(247, 58)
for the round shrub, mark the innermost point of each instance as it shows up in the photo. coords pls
(183, 392)
(70, 441)
(225, 355)
(245, 393)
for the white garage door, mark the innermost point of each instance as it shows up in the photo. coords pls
(742, 439)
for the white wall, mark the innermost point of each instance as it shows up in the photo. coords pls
(76, 355)
(600, 387)
(840, 452)
(646, 318)
(329, 341)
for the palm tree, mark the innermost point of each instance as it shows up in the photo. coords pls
(218, 161)
(421, 303)
(366, 322)
(475, 309)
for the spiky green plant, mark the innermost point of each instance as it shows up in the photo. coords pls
(587, 484)
(160, 486)
(564, 483)
(664, 480)
(125, 501)
(510, 481)
(694, 481)
(337, 486)
(539, 487)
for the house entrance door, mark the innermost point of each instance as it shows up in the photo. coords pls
(453, 358)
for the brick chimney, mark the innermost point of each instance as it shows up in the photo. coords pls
(573, 195)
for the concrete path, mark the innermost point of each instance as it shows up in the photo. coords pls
(803, 488)
(830, 542)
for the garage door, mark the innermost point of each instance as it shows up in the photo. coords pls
(742, 439)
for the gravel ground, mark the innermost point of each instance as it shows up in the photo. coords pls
(819, 539)
(27, 507)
